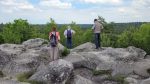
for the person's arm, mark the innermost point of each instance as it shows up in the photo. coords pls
(93, 27)
(58, 36)
(65, 33)
(49, 35)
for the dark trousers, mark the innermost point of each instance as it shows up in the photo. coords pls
(69, 43)
(97, 40)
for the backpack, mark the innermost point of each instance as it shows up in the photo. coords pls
(69, 34)
(53, 41)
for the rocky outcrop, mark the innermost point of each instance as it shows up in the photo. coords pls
(4, 59)
(81, 80)
(84, 64)
(57, 72)
(142, 68)
(34, 43)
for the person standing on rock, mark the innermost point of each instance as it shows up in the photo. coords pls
(97, 28)
(54, 38)
(68, 33)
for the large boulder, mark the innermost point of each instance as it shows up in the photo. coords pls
(19, 66)
(117, 60)
(146, 81)
(4, 59)
(12, 49)
(81, 80)
(83, 59)
(57, 72)
(34, 43)
(142, 68)
(2, 81)
(84, 47)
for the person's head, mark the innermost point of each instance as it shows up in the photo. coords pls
(95, 20)
(53, 28)
(68, 27)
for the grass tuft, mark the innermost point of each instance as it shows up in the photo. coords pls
(101, 72)
(25, 76)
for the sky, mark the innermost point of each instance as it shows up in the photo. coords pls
(79, 11)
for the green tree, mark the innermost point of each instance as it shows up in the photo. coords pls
(16, 32)
(48, 28)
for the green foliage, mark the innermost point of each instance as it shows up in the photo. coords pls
(16, 32)
(136, 37)
(101, 72)
(1, 39)
(25, 76)
(117, 78)
(48, 28)
(65, 52)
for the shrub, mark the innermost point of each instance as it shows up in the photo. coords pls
(65, 52)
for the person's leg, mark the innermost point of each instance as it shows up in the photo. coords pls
(52, 54)
(96, 40)
(56, 53)
(70, 43)
(67, 43)
(100, 40)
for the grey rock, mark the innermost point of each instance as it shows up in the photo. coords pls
(131, 80)
(142, 68)
(84, 72)
(81, 80)
(2, 81)
(83, 59)
(84, 47)
(57, 72)
(12, 49)
(110, 82)
(34, 43)
(20, 66)
(146, 81)
(4, 59)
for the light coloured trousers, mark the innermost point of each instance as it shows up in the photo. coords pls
(54, 53)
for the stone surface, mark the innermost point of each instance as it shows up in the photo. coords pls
(34, 43)
(57, 72)
(81, 80)
(142, 68)
(131, 80)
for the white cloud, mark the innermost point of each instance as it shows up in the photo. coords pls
(16, 5)
(103, 1)
(56, 4)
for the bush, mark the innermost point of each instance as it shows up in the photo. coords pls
(65, 52)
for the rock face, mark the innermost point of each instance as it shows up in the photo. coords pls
(84, 64)
(80, 80)
(119, 60)
(142, 68)
(17, 59)
(34, 43)
(4, 59)
(57, 72)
